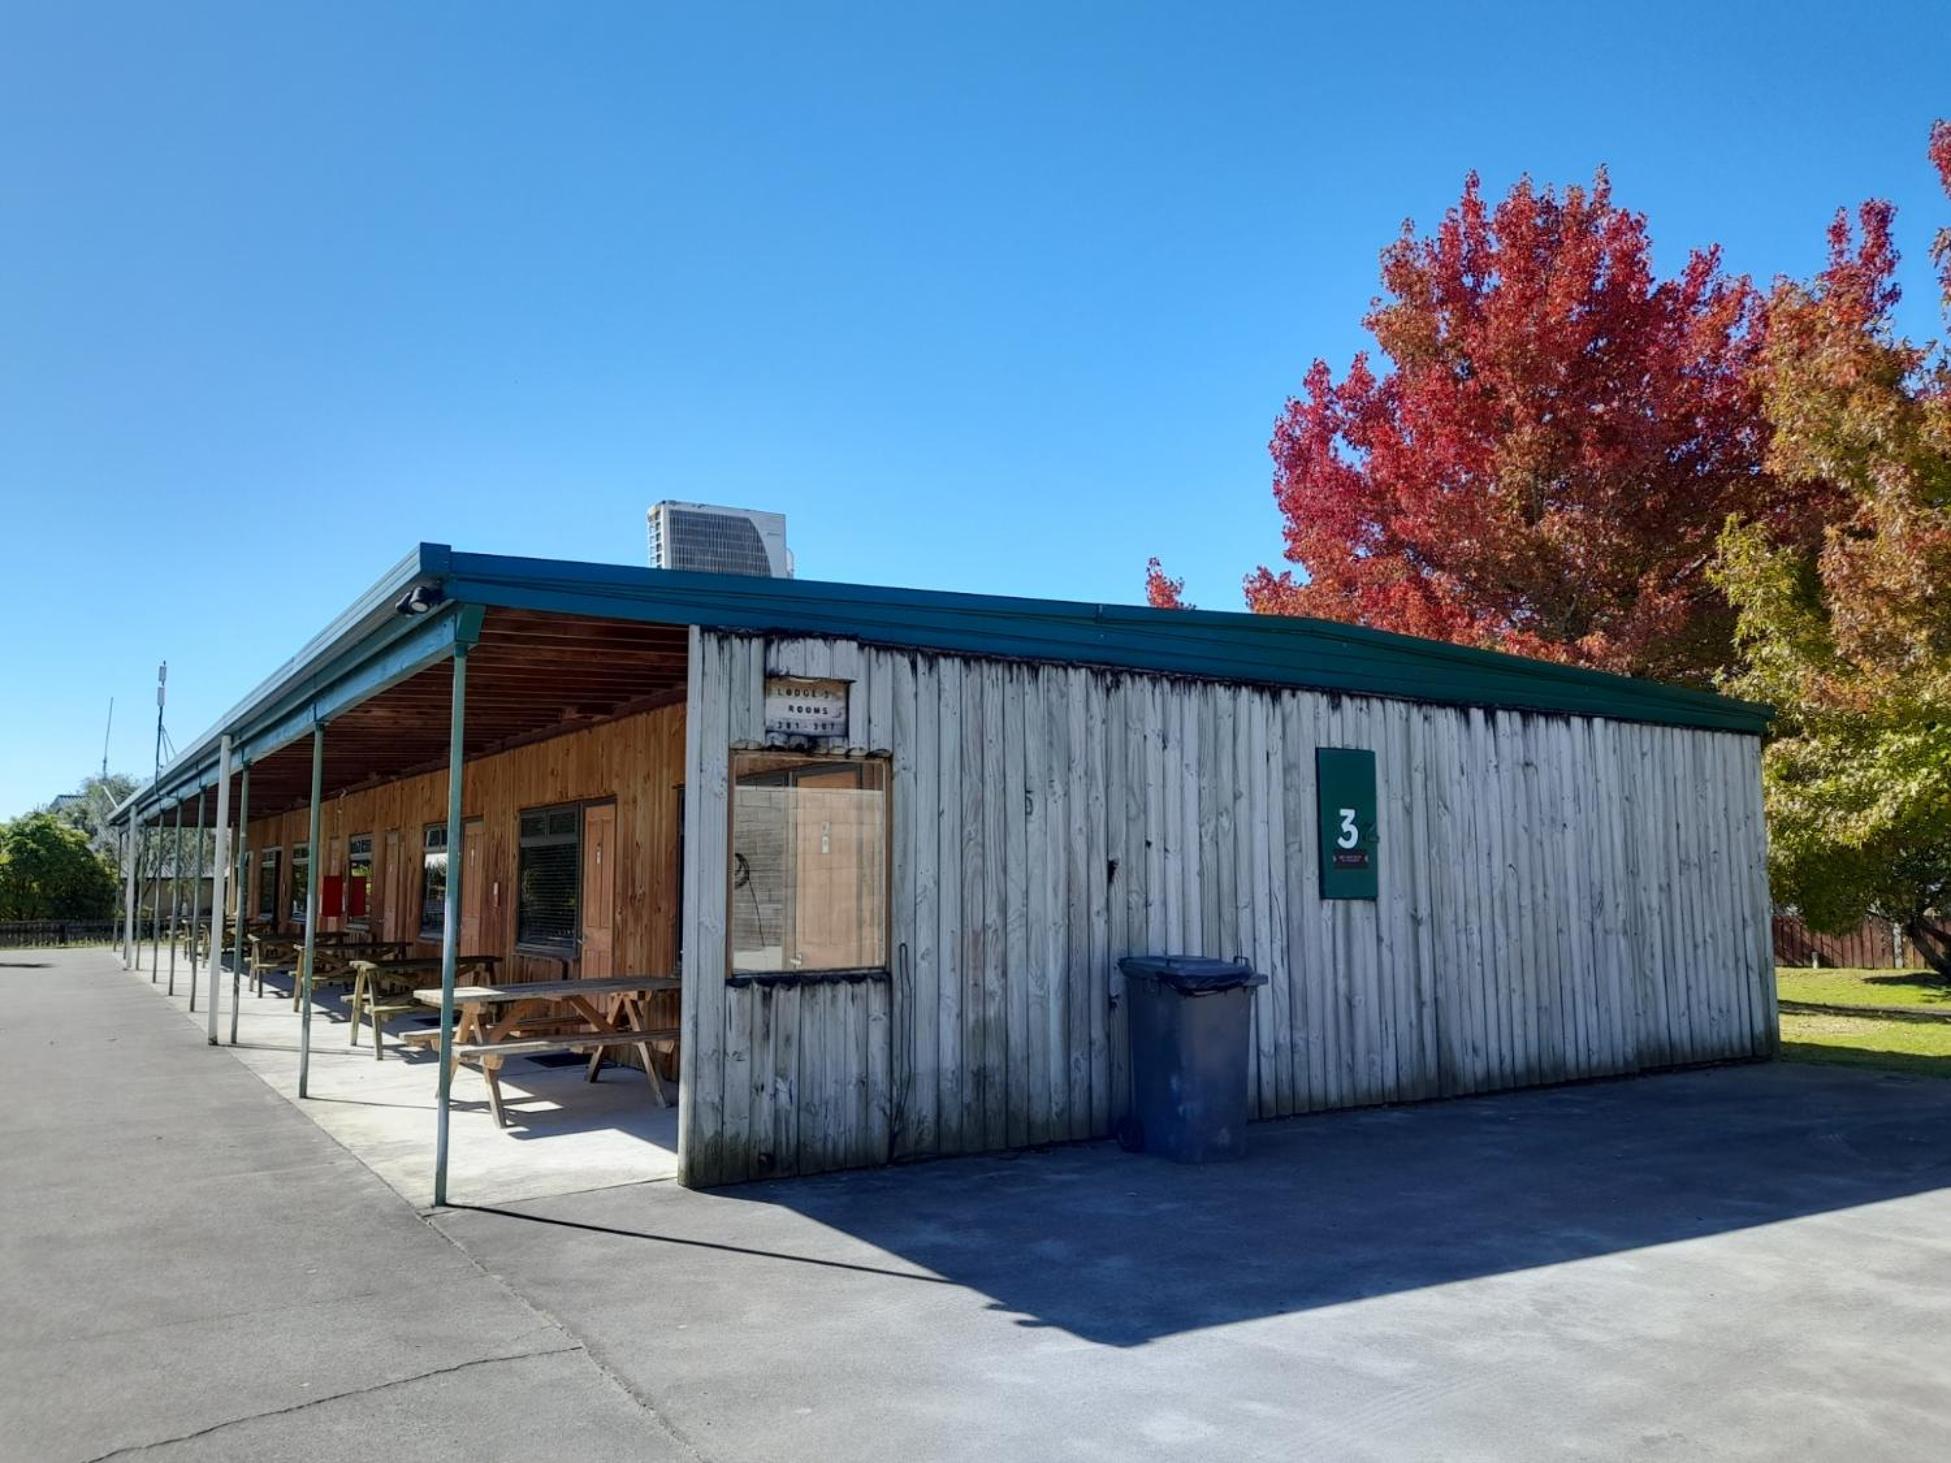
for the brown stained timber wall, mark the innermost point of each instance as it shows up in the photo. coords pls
(1561, 897)
(635, 760)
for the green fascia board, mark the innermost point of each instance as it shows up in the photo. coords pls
(1216, 645)
(371, 646)
(333, 656)
(425, 641)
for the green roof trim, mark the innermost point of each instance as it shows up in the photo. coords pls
(1217, 645)
(371, 645)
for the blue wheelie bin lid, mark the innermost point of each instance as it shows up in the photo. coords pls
(1192, 975)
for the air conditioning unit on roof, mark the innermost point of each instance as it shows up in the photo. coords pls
(715, 540)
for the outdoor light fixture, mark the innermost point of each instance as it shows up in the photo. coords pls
(419, 599)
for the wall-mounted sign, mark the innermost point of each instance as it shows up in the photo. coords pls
(1345, 782)
(797, 707)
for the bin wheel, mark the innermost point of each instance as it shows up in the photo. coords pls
(1131, 1135)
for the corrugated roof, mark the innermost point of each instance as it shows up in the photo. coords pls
(1256, 649)
(1220, 645)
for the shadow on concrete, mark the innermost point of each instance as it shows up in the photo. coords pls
(714, 1246)
(1122, 1249)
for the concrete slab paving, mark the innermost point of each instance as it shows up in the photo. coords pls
(565, 1134)
(563, 1411)
(189, 1266)
(1742, 1263)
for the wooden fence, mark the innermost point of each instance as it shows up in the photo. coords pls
(1876, 944)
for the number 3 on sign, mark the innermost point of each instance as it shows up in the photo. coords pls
(1350, 834)
(1344, 821)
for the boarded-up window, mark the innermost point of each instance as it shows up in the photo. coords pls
(809, 863)
(548, 878)
(269, 864)
(359, 879)
(433, 882)
(301, 872)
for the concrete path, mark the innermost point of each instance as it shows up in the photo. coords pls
(1744, 1263)
(565, 1135)
(191, 1269)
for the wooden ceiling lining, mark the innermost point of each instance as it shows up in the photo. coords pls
(531, 675)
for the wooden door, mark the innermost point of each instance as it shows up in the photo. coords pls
(472, 868)
(599, 891)
(333, 918)
(401, 904)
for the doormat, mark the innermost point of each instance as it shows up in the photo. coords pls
(559, 1059)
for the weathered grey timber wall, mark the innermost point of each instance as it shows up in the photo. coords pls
(1561, 897)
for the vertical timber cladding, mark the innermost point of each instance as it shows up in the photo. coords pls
(1555, 897)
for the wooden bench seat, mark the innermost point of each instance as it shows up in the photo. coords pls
(491, 1054)
(529, 1046)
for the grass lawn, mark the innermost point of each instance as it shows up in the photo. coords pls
(1920, 1047)
(1862, 987)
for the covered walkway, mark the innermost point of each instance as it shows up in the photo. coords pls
(564, 1134)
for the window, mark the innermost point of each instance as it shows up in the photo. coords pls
(301, 872)
(359, 879)
(548, 878)
(433, 882)
(268, 864)
(809, 863)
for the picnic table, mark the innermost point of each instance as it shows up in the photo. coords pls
(493, 1023)
(331, 964)
(382, 986)
(269, 952)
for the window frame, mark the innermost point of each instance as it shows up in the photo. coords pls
(438, 929)
(361, 921)
(571, 947)
(296, 904)
(811, 761)
(273, 887)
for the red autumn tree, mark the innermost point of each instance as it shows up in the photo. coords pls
(1546, 457)
(1162, 592)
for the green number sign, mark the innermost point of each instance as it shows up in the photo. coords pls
(1345, 778)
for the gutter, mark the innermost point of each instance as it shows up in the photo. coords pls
(195, 769)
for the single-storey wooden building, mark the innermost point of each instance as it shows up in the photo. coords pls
(894, 842)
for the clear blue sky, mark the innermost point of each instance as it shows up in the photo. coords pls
(999, 297)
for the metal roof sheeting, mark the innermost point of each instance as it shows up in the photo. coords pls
(1218, 645)
(1229, 646)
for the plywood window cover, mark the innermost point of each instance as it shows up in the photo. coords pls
(748, 763)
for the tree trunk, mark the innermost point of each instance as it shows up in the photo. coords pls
(1933, 941)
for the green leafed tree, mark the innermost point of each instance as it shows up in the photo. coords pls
(1852, 642)
(48, 871)
(89, 812)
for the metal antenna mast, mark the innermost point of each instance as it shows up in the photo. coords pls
(107, 732)
(162, 676)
